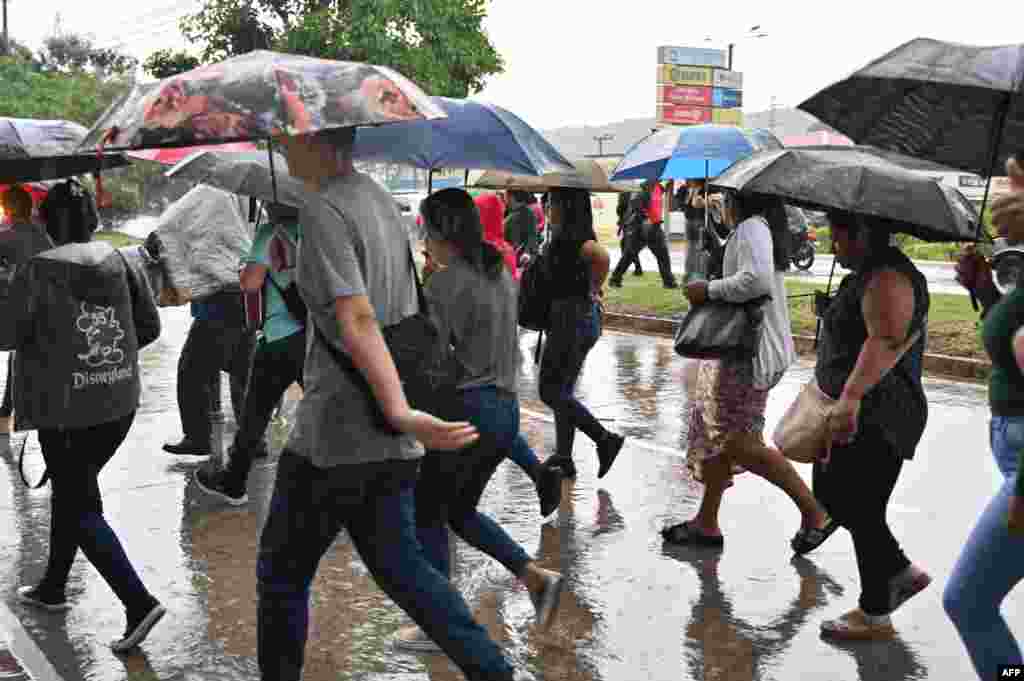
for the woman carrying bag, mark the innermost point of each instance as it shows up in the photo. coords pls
(727, 416)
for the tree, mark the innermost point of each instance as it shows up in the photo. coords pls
(75, 96)
(440, 44)
(64, 51)
(165, 63)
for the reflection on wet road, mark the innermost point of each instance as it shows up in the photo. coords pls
(632, 611)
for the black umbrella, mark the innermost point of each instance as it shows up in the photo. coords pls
(861, 180)
(959, 105)
(57, 167)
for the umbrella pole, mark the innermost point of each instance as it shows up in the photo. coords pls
(465, 179)
(828, 292)
(998, 134)
(273, 174)
(430, 181)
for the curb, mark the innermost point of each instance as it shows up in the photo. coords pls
(963, 368)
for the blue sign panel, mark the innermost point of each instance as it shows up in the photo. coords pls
(692, 56)
(726, 98)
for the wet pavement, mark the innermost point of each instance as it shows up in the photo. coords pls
(632, 609)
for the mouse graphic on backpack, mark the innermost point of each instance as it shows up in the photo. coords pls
(102, 332)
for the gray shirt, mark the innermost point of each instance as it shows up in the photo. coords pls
(353, 243)
(479, 316)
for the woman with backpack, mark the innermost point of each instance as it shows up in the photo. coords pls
(577, 266)
(473, 302)
(86, 308)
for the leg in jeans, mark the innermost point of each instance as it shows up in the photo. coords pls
(275, 367)
(990, 566)
(403, 573)
(433, 496)
(564, 354)
(198, 368)
(855, 489)
(75, 459)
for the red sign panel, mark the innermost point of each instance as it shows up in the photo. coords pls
(683, 115)
(685, 95)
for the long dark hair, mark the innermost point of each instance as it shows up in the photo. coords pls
(451, 215)
(577, 215)
(773, 210)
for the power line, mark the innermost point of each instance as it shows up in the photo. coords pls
(178, 9)
(155, 30)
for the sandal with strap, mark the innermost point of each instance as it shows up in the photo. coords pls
(686, 533)
(809, 538)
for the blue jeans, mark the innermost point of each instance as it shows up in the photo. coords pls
(451, 483)
(374, 502)
(991, 564)
(575, 328)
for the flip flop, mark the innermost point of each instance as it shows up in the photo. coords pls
(685, 533)
(809, 538)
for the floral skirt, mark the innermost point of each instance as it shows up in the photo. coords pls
(726, 402)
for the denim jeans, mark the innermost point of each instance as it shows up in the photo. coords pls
(275, 367)
(75, 459)
(855, 489)
(374, 503)
(575, 328)
(451, 483)
(991, 564)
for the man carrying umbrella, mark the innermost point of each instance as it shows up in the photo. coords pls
(646, 213)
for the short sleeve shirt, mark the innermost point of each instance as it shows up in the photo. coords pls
(353, 243)
(277, 323)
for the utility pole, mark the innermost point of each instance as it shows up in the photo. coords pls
(601, 139)
(7, 41)
(771, 119)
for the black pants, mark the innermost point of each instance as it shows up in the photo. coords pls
(855, 489)
(211, 347)
(8, 404)
(624, 246)
(652, 237)
(74, 459)
(275, 367)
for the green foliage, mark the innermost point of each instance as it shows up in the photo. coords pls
(440, 44)
(73, 52)
(29, 92)
(165, 63)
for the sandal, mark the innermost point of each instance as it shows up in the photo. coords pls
(857, 626)
(809, 538)
(686, 533)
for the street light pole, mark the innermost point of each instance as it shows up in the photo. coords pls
(7, 43)
(601, 139)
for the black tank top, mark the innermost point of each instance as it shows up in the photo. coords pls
(570, 273)
(896, 406)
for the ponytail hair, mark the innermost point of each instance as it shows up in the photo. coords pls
(451, 215)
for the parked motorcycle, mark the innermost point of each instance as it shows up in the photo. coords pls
(804, 241)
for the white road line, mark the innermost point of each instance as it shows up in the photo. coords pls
(25, 649)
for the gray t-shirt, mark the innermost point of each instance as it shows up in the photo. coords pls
(353, 243)
(479, 316)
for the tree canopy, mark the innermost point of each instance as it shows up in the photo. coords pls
(30, 92)
(440, 44)
(164, 63)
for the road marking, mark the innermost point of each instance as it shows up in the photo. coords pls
(25, 649)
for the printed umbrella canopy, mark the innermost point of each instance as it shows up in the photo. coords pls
(170, 157)
(258, 95)
(691, 152)
(586, 174)
(861, 180)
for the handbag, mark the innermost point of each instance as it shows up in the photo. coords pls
(426, 368)
(717, 329)
(805, 430)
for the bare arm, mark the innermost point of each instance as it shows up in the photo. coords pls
(252, 277)
(888, 307)
(597, 257)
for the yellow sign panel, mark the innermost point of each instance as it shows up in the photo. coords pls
(727, 116)
(685, 75)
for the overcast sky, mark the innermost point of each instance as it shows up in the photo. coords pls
(574, 62)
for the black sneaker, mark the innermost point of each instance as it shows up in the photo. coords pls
(549, 489)
(566, 464)
(138, 629)
(216, 484)
(188, 448)
(607, 451)
(615, 283)
(34, 596)
(638, 273)
(671, 284)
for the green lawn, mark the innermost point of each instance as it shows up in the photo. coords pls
(117, 239)
(951, 325)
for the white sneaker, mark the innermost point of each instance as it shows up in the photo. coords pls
(415, 640)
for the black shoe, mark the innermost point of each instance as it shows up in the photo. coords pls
(549, 489)
(671, 284)
(189, 448)
(638, 273)
(615, 283)
(607, 451)
(566, 464)
(138, 629)
(217, 484)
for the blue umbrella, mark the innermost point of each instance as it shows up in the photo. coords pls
(691, 152)
(474, 135)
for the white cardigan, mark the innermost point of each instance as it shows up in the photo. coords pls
(748, 272)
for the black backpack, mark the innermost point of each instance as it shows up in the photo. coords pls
(535, 295)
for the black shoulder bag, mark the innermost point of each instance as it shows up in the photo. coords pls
(292, 300)
(426, 368)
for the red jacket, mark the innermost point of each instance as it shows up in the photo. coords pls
(654, 208)
(492, 216)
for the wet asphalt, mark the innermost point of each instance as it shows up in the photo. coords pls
(633, 610)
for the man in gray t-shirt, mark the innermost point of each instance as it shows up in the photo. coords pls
(339, 470)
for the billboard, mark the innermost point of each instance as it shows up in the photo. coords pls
(729, 79)
(684, 75)
(677, 114)
(690, 95)
(692, 56)
(726, 98)
(727, 116)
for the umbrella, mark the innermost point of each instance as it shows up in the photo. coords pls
(861, 180)
(27, 137)
(244, 173)
(473, 135)
(170, 157)
(691, 152)
(588, 174)
(258, 95)
(57, 167)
